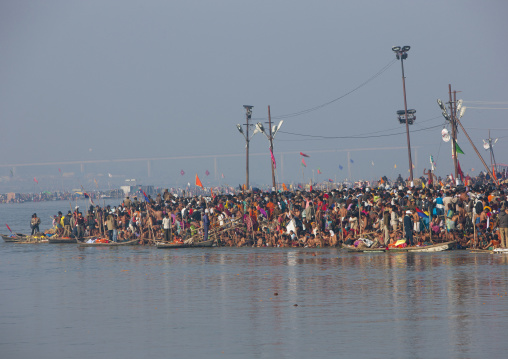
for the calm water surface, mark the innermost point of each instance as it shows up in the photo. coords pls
(61, 301)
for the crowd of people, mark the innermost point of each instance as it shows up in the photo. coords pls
(474, 216)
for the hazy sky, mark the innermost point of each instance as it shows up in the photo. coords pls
(86, 80)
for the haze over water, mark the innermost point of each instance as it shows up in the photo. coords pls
(61, 301)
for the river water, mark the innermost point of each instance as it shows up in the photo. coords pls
(61, 301)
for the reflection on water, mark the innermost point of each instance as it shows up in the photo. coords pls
(61, 301)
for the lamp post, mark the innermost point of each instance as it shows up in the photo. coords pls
(272, 131)
(401, 54)
(248, 115)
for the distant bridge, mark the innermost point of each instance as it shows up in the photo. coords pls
(149, 160)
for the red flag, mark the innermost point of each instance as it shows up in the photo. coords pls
(198, 182)
(319, 171)
(304, 155)
(494, 172)
(59, 170)
(273, 159)
(35, 180)
(9, 228)
(182, 172)
(459, 170)
(303, 163)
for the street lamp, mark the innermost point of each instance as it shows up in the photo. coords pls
(272, 131)
(401, 54)
(248, 115)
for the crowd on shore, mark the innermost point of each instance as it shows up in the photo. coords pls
(474, 216)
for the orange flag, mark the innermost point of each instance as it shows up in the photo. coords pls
(284, 187)
(198, 182)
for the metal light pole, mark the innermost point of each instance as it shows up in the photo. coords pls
(248, 115)
(401, 53)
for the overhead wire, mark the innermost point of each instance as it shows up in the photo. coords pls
(302, 112)
(356, 137)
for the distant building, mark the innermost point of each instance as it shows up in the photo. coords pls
(128, 190)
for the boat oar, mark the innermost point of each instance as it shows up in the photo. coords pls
(9, 228)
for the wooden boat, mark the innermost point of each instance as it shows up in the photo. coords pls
(489, 251)
(15, 237)
(132, 242)
(500, 250)
(439, 247)
(57, 240)
(208, 243)
(25, 239)
(364, 249)
(479, 251)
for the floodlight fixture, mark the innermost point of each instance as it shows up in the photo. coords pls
(240, 129)
(441, 104)
(396, 48)
(459, 105)
(260, 127)
(276, 128)
(406, 48)
(462, 110)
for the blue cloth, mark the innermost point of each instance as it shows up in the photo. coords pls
(408, 228)
(206, 226)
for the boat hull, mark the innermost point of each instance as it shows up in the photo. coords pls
(202, 244)
(433, 248)
(110, 244)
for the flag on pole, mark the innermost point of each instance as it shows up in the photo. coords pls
(340, 167)
(351, 161)
(421, 213)
(35, 180)
(198, 182)
(182, 172)
(319, 171)
(284, 187)
(96, 184)
(146, 197)
(304, 155)
(12, 173)
(9, 228)
(494, 172)
(59, 170)
(303, 163)
(432, 163)
(273, 159)
(330, 180)
(457, 148)
(395, 166)
(207, 173)
(222, 175)
(459, 170)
